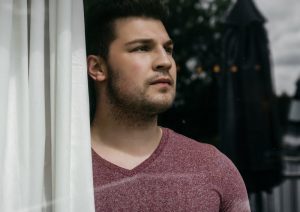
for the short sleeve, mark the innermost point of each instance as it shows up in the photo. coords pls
(234, 197)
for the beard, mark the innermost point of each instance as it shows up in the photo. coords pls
(137, 105)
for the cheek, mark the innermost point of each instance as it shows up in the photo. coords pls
(174, 71)
(139, 66)
(131, 76)
(136, 73)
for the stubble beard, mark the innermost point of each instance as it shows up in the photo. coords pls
(133, 109)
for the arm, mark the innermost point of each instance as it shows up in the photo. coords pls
(234, 197)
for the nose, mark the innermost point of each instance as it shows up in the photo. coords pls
(162, 61)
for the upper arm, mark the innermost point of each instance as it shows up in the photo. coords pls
(234, 197)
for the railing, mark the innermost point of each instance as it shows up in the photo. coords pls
(286, 196)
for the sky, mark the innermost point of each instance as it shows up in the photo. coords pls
(283, 26)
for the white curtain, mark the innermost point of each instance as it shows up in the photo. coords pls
(45, 152)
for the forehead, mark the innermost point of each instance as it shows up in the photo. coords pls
(127, 29)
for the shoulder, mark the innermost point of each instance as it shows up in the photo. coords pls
(218, 169)
(192, 148)
(201, 154)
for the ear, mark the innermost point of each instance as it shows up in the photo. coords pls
(96, 68)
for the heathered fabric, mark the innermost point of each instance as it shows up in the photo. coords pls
(181, 175)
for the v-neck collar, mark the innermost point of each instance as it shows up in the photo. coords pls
(130, 172)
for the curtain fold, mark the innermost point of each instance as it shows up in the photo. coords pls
(36, 101)
(45, 152)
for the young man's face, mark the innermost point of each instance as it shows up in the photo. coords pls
(141, 69)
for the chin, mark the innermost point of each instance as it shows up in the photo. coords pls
(159, 106)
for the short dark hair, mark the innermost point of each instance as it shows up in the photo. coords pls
(101, 14)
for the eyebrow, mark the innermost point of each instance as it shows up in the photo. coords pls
(147, 41)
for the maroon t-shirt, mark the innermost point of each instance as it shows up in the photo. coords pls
(181, 175)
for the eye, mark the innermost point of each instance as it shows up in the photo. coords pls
(169, 50)
(143, 48)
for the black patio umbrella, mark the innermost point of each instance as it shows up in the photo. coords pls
(249, 126)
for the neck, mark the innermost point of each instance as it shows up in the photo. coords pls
(131, 120)
(133, 133)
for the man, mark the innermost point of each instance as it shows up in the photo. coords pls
(137, 165)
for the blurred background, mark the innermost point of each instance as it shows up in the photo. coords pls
(238, 88)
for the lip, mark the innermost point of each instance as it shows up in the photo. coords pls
(162, 81)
